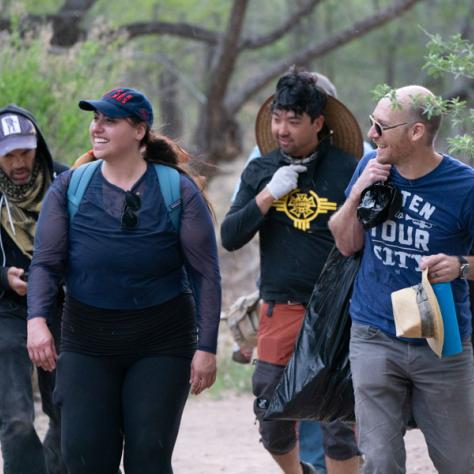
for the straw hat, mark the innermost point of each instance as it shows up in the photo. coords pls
(346, 134)
(417, 314)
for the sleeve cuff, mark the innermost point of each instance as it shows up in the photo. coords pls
(212, 350)
(4, 285)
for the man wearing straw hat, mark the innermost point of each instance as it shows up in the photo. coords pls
(433, 233)
(308, 142)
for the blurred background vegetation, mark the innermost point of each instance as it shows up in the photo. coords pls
(208, 65)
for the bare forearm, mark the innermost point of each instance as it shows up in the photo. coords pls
(345, 227)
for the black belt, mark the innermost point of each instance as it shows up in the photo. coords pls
(272, 303)
(289, 302)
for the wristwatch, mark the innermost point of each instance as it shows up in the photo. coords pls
(464, 268)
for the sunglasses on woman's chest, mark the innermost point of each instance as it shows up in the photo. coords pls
(131, 205)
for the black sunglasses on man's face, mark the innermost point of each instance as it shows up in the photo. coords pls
(379, 128)
(131, 205)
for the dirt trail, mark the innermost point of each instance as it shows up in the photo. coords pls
(219, 436)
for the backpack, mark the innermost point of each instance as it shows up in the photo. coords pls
(242, 319)
(167, 176)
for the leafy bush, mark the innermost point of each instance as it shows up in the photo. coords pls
(49, 82)
(454, 56)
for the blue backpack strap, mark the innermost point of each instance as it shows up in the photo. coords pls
(170, 185)
(80, 179)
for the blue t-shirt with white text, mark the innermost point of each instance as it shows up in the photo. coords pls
(437, 216)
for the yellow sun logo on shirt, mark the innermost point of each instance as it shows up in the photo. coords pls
(302, 208)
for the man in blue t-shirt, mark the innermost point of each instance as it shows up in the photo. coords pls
(433, 229)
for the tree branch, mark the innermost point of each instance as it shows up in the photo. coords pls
(73, 11)
(5, 24)
(283, 29)
(467, 29)
(225, 57)
(316, 50)
(78, 7)
(66, 22)
(217, 131)
(184, 30)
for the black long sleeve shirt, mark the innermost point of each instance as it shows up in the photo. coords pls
(294, 236)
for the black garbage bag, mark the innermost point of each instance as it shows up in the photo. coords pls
(379, 202)
(317, 383)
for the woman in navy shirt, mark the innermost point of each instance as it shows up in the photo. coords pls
(142, 308)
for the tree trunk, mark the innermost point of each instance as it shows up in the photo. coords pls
(67, 23)
(171, 123)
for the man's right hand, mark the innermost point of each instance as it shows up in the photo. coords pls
(372, 173)
(40, 344)
(344, 224)
(285, 180)
(18, 285)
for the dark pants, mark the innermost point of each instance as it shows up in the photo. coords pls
(22, 450)
(110, 403)
(471, 295)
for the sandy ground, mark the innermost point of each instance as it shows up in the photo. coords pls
(219, 436)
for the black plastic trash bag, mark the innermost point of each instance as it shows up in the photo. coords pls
(379, 202)
(317, 383)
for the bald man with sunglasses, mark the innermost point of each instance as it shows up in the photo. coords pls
(433, 229)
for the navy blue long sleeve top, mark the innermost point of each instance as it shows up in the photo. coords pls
(106, 266)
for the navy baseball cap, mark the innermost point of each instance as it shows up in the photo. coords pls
(121, 103)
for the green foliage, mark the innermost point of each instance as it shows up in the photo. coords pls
(462, 145)
(231, 376)
(453, 56)
(384, 90)
(390, 54)
(432, 105)
(14, 7)
(50, 82)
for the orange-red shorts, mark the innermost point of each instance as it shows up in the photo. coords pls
(277, 333)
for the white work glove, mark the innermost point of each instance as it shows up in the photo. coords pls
(284, 180)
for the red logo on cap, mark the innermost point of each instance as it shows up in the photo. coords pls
(120, 96)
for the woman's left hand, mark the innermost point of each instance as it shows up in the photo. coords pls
(40, 344)
(203, 371)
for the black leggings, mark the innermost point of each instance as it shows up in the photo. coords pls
(107, 403)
